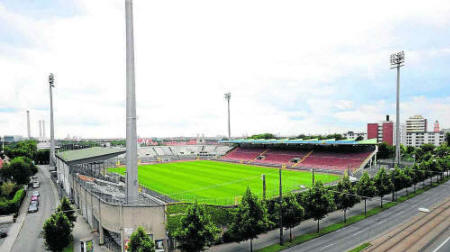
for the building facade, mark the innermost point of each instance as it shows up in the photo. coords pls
(354, 135)
(382, 131)
(416, 123)
(416, 139)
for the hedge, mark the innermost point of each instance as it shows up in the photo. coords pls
(12, 205)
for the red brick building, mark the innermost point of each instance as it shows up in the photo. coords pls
(382, 131)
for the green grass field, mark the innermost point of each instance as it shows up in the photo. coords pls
(219, 183)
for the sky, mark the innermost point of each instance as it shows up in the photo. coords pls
(292, 67)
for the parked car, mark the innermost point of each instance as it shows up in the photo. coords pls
(33, 207)
(35, 184)
(35, 199)
(3, 234)
(35, 193)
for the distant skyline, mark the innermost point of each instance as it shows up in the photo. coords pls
(291, 67)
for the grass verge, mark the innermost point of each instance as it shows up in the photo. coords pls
(69, 248)
(331, 228)
(360, 247)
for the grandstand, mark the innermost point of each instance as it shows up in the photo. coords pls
(323, 155)
(179, 152)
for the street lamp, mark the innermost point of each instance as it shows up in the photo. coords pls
(397, 61)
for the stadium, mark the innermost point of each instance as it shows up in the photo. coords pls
(219, 174)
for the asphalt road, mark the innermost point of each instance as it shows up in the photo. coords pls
(29, 238)
(366, 230)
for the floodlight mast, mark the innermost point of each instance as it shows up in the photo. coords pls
(397, 61)
(51, 81)
(131, 142)
(228, 97)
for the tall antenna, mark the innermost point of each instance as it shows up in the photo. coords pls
(227, 98)
(397, 61)
(131, 142)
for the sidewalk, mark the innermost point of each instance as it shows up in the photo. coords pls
(15, 228)
(310, 226)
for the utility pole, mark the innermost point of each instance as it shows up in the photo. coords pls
(264, 186)
(397, 61)
(51, 82)
(281, 209)
(131, 142)
(228, 97)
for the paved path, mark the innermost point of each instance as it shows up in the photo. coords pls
(29, 238)
(310, 226)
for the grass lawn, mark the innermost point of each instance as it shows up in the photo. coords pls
(216, 182)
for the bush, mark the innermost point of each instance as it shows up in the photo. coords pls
(12, 205)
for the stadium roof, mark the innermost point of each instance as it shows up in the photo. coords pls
(300, 141)
(89, 154)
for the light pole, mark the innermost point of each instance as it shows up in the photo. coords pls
(51, 81)
(228, 97)
(131, 141)
(397, 61)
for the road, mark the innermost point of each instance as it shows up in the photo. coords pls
(29, 238)
(366, 230)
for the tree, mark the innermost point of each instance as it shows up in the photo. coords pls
(293, 213)
(366, 187)
(251, 219)
(383, 183)
(385, 151)
(197, 229)
(411, 175)
(66, 208)
(140, 241)
(18, 170)
(7, 188)
(347, 195)
(57, 232)
(359, 138)
(399, 180)
(27, 148)
(42, 156)
(318, 202)
(427, 147)
(419, 175)
(447, 138)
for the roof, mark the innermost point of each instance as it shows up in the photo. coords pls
(300, 141)
(73, 156)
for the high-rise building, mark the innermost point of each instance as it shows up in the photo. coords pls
(382, 131)
(416, 124)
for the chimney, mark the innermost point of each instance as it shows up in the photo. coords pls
(43, 129)
(40, 130)
(28, 124)
(387, 118)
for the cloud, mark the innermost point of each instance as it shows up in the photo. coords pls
(292, 67)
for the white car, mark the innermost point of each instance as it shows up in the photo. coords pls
(35, 193)
(36, 184)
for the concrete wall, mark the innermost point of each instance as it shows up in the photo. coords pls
(119, 219)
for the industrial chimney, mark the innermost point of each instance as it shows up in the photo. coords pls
(28, 124)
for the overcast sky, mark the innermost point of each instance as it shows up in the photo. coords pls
(292, 66)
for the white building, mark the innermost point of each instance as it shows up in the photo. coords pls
(416, 124)
(353, 135)
(417, 139)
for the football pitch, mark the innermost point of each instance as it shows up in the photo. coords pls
(219, 183)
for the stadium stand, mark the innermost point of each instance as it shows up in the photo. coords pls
(327, 158)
